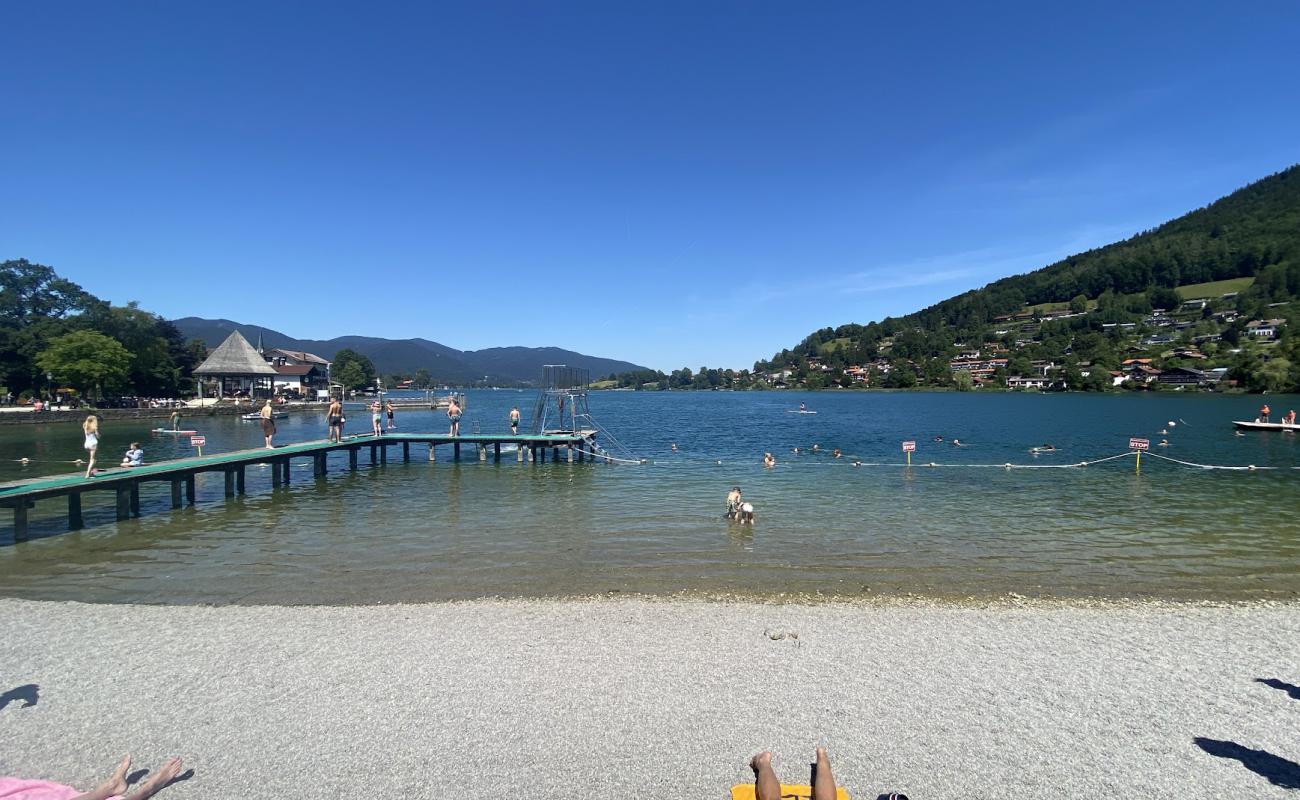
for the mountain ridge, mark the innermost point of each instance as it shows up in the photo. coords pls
(522, 365)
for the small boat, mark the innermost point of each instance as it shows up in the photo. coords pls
(1265, 426)
(176, 433)
(798, 411)
(256, 416)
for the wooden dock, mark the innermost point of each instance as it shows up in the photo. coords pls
(22, 495)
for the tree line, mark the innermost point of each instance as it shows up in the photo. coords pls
(54, 335)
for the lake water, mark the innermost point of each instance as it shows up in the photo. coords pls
(421, 531)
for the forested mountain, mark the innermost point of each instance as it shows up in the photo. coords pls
(1252, 234)
(407, 356)
(1083, 321)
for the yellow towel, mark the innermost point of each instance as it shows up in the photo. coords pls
(789, 791)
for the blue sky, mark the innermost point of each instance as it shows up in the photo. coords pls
(672, 183)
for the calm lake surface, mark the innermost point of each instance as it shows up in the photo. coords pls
(421, 531)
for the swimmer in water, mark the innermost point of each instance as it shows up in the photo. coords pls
(816, 448)
(733, 503)
(957, 443)
(674, 447)
(938, 438)
(769, 460)
(835, 453)
(746, 513)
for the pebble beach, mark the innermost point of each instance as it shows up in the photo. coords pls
(667, 698)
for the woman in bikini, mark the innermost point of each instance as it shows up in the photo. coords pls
(91, 428)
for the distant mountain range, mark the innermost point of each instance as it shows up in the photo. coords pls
(500, 365)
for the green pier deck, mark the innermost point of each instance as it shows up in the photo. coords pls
(22, 495)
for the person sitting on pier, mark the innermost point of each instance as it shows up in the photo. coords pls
(453, 414)
(134, 456)
(1289, 417)
(112, 787)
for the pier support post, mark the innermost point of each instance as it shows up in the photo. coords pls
(482, 454)
(318, 465)
(230, 482)
(383, 454)
(374, 455)
(433, 453)
(74, 512)
(496, 451)
(406, 451)
(519, 454)
(555, 454)
(352, 459)
(284, 466)
(532, 454)
(239, 480)
(135, 498)
(20, 521)
(570, 448)
(277, 477)
(189, 488)
(176, 494)
(123, 504)
(455, 451)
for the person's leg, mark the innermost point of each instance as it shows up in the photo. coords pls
(158, 780)
(114, 784)
(823, 780)
(90, 464)
(766, 786)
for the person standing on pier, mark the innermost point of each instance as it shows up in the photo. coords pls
(388, 408)
(334, 416)
(453, 414)
(514, 421)
(91, 428)
(376, 418)
(268, 423)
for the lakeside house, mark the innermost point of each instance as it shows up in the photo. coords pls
(298, 371)
(1030, 382)
(979, 368)
(237, 369)
(1183, 376)
(1265, 328)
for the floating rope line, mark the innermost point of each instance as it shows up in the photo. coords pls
(608, 457)
(1249, 468)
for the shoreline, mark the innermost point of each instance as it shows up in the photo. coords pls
(661, 696)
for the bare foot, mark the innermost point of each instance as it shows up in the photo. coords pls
(159, 779)
(116, 783)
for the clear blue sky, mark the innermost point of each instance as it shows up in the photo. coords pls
(673, 183)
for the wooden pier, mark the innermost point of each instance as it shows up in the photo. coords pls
(22, 495)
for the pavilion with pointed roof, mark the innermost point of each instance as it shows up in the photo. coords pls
(238, 367)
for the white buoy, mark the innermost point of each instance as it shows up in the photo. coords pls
(1172, 424)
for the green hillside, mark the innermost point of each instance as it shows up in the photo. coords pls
(1241, 254)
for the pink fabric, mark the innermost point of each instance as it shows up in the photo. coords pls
(23, 789)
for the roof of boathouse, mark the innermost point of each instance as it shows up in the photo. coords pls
(235, 356)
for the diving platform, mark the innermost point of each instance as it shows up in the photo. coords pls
(180, 473)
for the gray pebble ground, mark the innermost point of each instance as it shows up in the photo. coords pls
(659, 698)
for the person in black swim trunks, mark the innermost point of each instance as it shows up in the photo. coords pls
(453, 414)
(335, 418)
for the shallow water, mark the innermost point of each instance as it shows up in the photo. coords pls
(421, 531)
